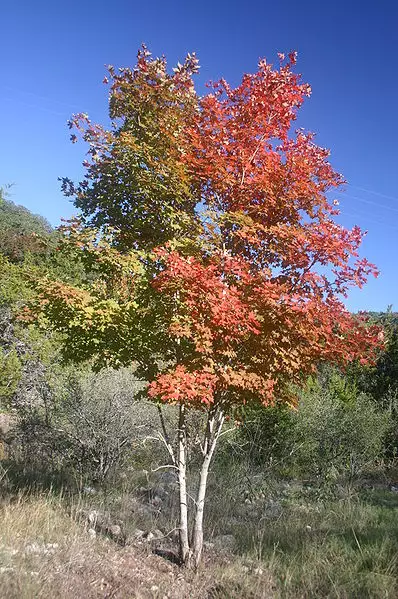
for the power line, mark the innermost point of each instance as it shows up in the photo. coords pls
(375, 221)
(347, 195)
(376, 193)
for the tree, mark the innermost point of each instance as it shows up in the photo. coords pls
(382, 381)
(219, 269)
(21, 231)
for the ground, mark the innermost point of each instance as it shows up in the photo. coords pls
(288, 543)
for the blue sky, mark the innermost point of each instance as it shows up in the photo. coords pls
(52, 57)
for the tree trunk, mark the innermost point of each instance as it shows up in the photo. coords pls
(197, 537)
(182, 467)
(213, 430)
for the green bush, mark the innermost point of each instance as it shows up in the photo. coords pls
(266, 437)
(88, 426)
(336, 433)
(339, 434)
(10, 368)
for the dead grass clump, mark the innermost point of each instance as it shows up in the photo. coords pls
(47, 552)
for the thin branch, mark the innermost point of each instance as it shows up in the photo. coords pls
(165, 466)
(222, 433)
(166, 438)
(169, 533)
(252, 157)
(209, 429)
(160, 437)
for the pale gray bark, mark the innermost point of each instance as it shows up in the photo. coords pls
(213, 430)
(182, 467)
(190, 553)
(166, 438)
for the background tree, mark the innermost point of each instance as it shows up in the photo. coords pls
(21, 231)
(219, 270)
(28, 357)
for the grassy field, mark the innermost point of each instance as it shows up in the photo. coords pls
(286, 543)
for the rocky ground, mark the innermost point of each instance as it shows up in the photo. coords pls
(47, 550)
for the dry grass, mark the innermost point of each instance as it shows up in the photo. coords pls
(46, 553)
(289, 545)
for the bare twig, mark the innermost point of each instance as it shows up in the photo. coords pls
(166, 437)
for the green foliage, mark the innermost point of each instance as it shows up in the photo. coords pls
(382, 380)
(10, 369)
(22, 232)
(335, 433)
(29, 250)
(338, 434)
(81, 428)
(136, 180)
(267, 436)
(26, 352)
(20, 220)
(13, 283)
(341, 388)
(100, 419)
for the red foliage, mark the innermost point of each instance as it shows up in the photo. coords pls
(262, 307)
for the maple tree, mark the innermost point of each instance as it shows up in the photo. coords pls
(217, 266)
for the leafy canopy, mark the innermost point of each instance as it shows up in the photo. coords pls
(218, 267)
(136, 179)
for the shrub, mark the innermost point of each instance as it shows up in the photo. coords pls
(267, 436)
(339, 434)
(89, 426)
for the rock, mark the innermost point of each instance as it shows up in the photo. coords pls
(158, 534)
(138, 534)
(91, 533)
(102, 523)
(208, 545)
(7, 421)
(153, 535)
(94, 518)
(245, 569)
(33, 548)
(44, 549)
(115, 531)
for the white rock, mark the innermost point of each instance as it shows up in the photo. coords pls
(115, 530)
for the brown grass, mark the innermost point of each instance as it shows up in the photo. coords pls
(46, 553)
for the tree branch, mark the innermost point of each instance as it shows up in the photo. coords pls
(165, 437)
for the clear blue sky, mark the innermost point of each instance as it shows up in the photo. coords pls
(52, 57)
